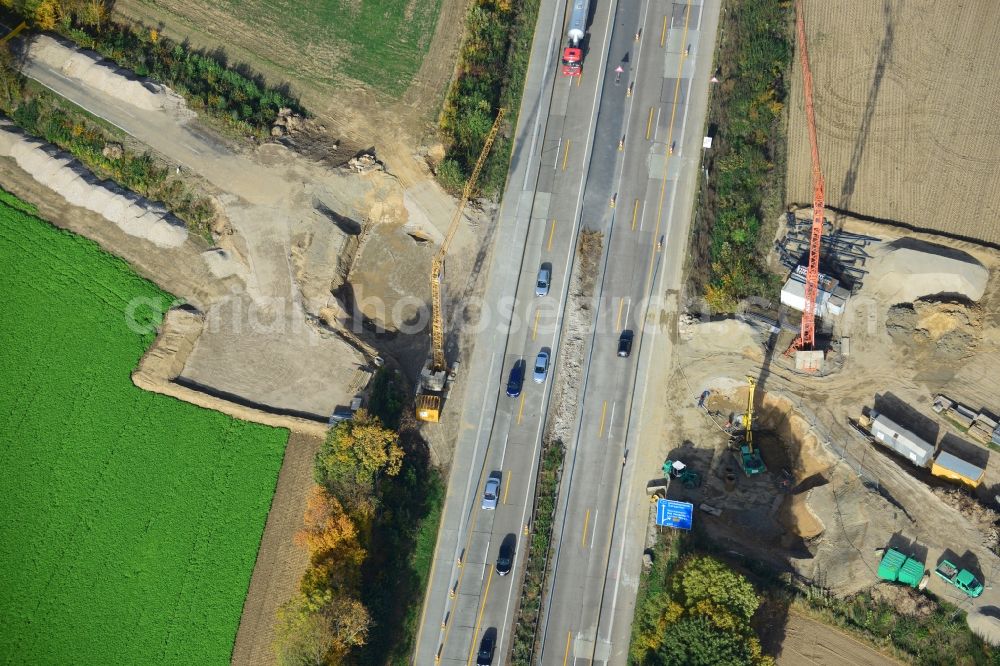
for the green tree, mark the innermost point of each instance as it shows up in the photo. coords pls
(705, 586)
(355, 454)
(319, 628)
(695, 641)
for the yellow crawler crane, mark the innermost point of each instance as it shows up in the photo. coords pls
(436, 378)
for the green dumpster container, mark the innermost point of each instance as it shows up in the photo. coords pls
(898, 568)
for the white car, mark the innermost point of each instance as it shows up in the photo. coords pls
(543, 281)
(492, 492)
(541, 367)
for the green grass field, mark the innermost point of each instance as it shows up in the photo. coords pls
(131, 521)
(381, 43)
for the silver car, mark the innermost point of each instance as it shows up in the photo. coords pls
(541, 367)
(544, 280)
(492, 492)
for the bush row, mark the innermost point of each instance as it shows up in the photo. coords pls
(539, 544)
(745, 173)
(42, 114)
(938, 634)
(236, 96)
(492, 68)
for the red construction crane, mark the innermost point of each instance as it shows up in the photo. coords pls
(807, 337)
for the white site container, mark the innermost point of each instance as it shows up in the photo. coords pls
(902, 441)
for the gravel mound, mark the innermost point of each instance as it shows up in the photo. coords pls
(907, 270)
(103, 76)
(68, 178)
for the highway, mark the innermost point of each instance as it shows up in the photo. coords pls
(587, 155)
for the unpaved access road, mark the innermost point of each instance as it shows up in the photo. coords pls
(811, 643)
(280, 563)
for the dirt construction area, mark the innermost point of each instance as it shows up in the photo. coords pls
(314, 275)
(374, 75)
(906, 95)
(830, 497)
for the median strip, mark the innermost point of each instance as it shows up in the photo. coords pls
(539, 549)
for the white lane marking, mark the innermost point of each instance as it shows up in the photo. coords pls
(611, 423)
(656, 127)
(628, 504)
(465, 504)
(593, 530)
(538, 119)
(503, 452)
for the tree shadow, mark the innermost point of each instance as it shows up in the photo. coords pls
(394, 572)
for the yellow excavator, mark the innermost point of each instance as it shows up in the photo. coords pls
(750, 459)
(435, 377)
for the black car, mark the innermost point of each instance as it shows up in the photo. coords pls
(485, 656)
(625, 344)
(516, 379)
(505, 558)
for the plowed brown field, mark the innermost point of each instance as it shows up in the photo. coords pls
(907, 101)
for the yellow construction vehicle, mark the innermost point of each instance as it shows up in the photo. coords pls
(750, 459)
(436, 377)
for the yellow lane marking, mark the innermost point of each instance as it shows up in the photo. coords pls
(578, 79)
(472, 648)
(552, 231)
(670, 134)
(566, 656)
(663, 34)
(649, 123)
(635, 213)
(534, 329)
(520, 411)
(566, 154)
(618, 322)
(506, 488)
(586, 523)
(600, 430)
(461, 572)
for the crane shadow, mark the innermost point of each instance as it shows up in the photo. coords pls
(861, 141)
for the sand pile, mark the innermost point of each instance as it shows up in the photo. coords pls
(62, 174)
(952, 329)
(907, 270)
(103, 76)
(715, 337)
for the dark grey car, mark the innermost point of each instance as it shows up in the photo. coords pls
(505, 558)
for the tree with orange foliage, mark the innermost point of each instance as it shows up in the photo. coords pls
(327, 525)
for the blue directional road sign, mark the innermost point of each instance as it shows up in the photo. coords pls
(674, 514)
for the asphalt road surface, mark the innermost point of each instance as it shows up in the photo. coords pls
(588, 154)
